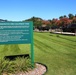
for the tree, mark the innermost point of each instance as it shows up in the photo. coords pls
(54, 23)
(75, 15)
(36, 21)
(65, 22)
(46, 22)
(74, 20)
(70, 16)
(65, 16)
(1, 20)
(61, 17)
(58, 23)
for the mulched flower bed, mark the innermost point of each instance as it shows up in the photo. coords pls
(38, 70)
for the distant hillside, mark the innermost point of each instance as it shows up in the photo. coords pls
(1, 20)
(38, 21)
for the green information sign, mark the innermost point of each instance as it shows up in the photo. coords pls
(17, 33)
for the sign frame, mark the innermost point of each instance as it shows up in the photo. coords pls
(31, 37)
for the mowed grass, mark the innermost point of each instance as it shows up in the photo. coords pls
(57, 52)
(14, 49)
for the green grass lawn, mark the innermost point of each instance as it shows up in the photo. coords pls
(58, 53)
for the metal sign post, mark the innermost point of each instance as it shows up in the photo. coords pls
(32, 46)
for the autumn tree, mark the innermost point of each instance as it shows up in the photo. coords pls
(54, 23)
(65, 22)
(46, 22)
(74, 20)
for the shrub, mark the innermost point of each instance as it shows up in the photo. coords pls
(15, 66)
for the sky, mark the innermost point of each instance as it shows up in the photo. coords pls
(18, 10)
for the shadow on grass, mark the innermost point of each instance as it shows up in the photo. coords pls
(58, 35)
(40, 45)
(67, 39)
